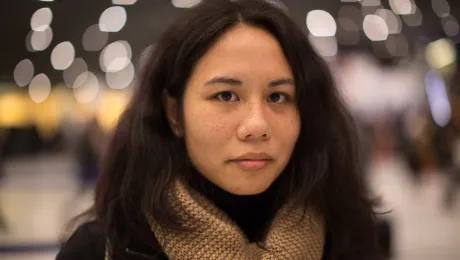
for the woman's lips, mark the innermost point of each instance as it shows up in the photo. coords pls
(251, 165)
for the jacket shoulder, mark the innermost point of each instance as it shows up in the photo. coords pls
(86, 243)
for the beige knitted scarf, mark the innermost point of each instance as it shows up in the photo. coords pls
(213, 235)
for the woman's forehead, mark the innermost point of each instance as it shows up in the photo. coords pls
(245, 50)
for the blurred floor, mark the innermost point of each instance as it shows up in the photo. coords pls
(38, 196)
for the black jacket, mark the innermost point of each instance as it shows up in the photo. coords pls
(88, 243)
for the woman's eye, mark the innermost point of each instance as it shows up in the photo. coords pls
(277, 98)
(227, 96)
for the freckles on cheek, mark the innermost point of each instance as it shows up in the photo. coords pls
(218, 127)
(210, 126)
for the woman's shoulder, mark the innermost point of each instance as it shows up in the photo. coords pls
(86, 243)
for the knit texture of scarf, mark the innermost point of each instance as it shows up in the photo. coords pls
(294, 234)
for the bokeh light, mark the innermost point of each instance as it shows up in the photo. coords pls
(94, 39)
(86, 87)
(321, 23)
(62, 55)
(23, 72)
(393, 22)
(440, 53)
(39, 40)
(41, 19)
(441, 7)
(450, 25)
(124, 2)
(120, 79)
(402, 7)
(77, 68)
(325, 46)
(415, 19)
(375, 28)
(113, 19)
(39, 88)
(185, 3)
(115, 56)
(438, 99)
(370, 2)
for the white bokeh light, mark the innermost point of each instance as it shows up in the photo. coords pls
(124, 2)
(321, 23)
(86, 87)
(120, 79)
(39, 40)
(39, 88)
(113, 19)
(62, 55)
(41, 19)
(115, 56)
(375, 28)
(402, 7)
(94, 39)
(23, 72)
(185, 3)
(393, 22)
(77, 68)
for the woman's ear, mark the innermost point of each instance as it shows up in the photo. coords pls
(172, 113)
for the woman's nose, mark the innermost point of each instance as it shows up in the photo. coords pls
(254, 125)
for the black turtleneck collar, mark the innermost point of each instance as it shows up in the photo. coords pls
(252, 213)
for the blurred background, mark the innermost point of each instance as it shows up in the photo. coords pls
(67, 69)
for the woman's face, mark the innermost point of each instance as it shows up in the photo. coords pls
(241, 121)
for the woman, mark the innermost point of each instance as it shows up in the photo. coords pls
(235, 146)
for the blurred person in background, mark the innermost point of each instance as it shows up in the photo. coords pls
(235, 145)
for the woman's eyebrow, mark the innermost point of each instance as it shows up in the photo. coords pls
(283, 81)
(224, 80)
(237, 82)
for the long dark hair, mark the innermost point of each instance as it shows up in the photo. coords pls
(145, 157)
